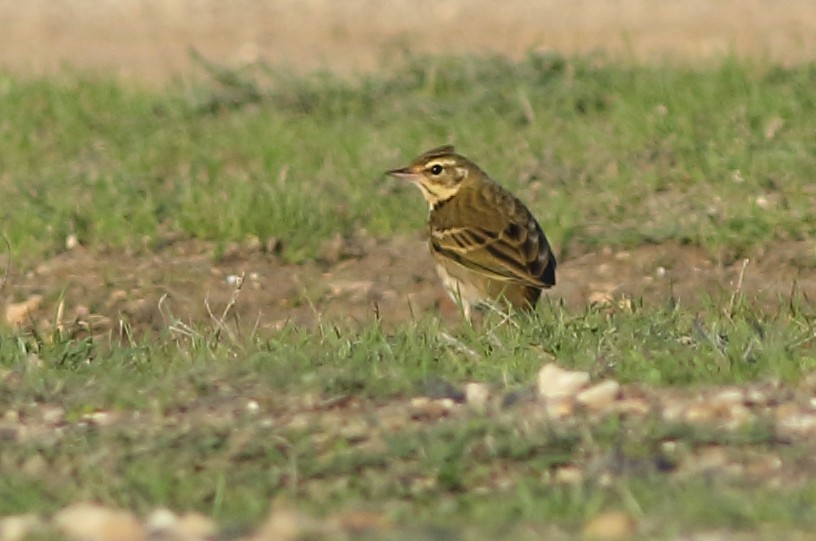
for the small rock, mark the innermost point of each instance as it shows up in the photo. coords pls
(161, 523)
(423, 407)
(252, 406)
(196, 527)
(569, 475)
(555, 382)
(699, 412)
(92, 522)
(234, 280)
(100, 418)
(18, 527)
(728, 396)
(285, 524)
(17, 314)
(610, 525)
(71, 241)
(673, 409)
(632, 406)
(725, 408)
(599, 397)
(477, 395)
(793, 421)
(560, 407)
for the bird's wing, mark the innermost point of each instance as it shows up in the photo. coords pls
(511, 255)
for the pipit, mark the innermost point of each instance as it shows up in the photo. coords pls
(488, 248)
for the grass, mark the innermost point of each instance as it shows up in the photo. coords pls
(604, 154)
(183, 434)
(720, 156)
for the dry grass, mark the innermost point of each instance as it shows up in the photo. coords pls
(150, 39)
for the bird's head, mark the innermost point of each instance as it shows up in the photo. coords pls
(438, 173)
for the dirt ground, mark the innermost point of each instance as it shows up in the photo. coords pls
(184, 287)
(149, 40)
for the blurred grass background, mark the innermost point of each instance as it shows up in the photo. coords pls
(603, 153)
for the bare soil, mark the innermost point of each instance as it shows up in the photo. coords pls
(354, 281)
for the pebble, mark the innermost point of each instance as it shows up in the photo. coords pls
(601, 396)
(632, 406)
(477, 395)
(20, 313)
(555, 382)
(560, 407)
(285, 524)
(196, 527)
(428, 408)
(163, 524)
(71, 241)
(233, 280)
(610, 525)
(793, 421)
(569, 475)
(18, 527)
(252, 406)
(93, 522)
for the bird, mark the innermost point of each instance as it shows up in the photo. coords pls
(488, 247)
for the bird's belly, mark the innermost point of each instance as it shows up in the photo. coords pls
(473, 288)
(462, 285)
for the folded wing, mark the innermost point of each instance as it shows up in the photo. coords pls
(519, 252)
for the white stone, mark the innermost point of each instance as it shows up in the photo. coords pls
(555, 382)
(92, 522)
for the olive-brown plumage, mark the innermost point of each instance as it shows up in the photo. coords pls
(487, 246)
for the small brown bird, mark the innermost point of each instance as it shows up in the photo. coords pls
(487, 246)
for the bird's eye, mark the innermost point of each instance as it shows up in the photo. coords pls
(436, 169)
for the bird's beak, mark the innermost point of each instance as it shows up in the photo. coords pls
(403, 173)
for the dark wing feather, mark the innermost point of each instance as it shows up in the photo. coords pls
(507, 246)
